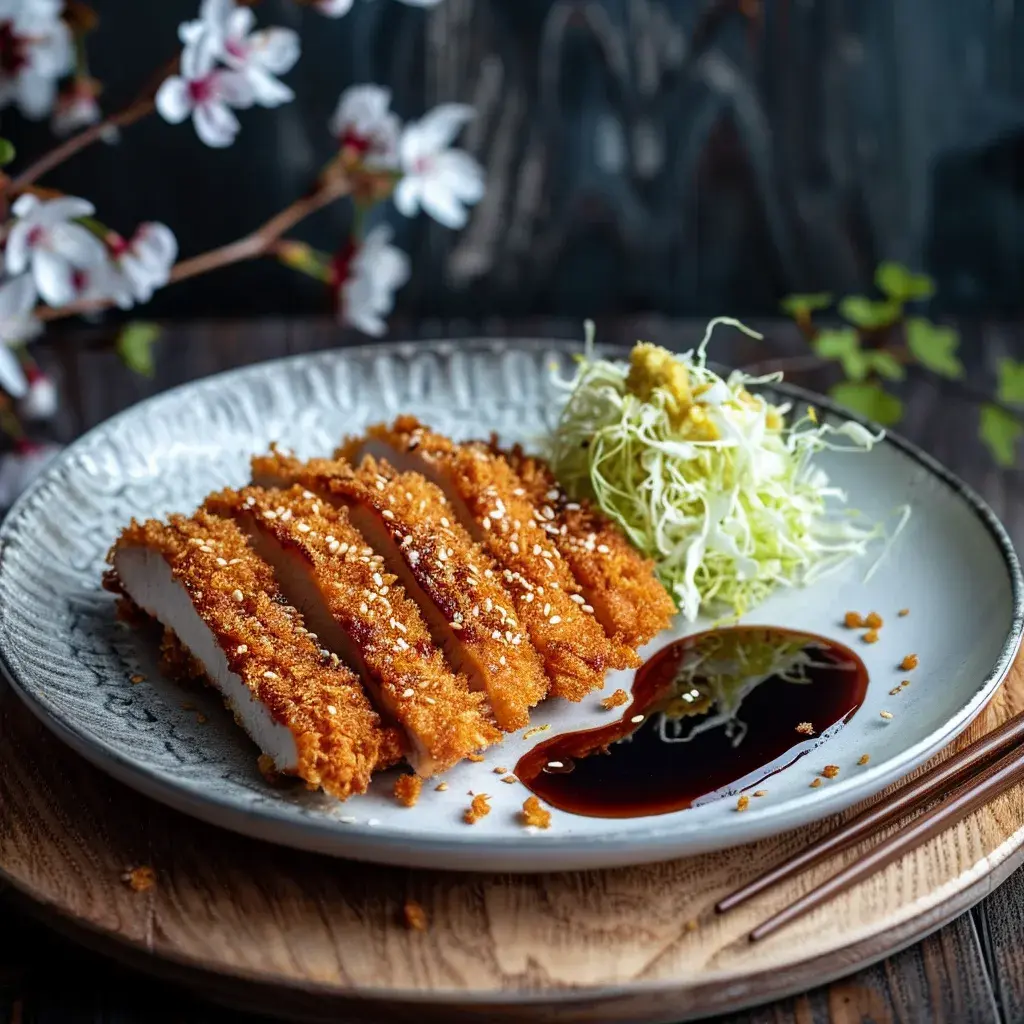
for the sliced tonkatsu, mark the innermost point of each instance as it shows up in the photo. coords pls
(493, 505)
(358, 611)
(202, 581)
(616, 580)
(456, 584)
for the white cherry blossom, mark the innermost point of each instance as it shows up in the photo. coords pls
(368, 280)
(204, 92)
(35, 51)
(40, 400)
(440, 180)
(144, 263)
(333, 8)
(362, 122)
(45, 240)
(258, 56)
(17, 326)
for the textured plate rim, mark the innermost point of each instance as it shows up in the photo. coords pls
(501, 852)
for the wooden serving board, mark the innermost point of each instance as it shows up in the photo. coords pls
(321, 939)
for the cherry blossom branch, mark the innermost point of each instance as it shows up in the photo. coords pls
(259, 243)
(142, 106)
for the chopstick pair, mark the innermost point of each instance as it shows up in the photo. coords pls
(966, 781)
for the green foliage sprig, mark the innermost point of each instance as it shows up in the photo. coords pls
(880, 340)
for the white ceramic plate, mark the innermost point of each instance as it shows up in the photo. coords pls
(954, 567)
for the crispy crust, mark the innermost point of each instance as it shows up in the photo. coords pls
(456, 574)
(417, 688)
(575, 649)
(338, 735)
(616, 579)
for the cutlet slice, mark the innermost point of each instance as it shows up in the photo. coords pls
(357, 610)
(493, 505)
(202, 581)
(456, 584)
(616, 580)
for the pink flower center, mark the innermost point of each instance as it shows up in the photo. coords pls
(13, 50)
(202, 90)
(35, 237)
(423, 165)
(118, 245)
(79, 280)
(360, 144)
(236, 48)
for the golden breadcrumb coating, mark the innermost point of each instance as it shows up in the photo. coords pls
(415, 916)
(535, 814)
(621, 585)
(337, 733)
(407, 789)
(381, 625)
(575, 649)
(479, 808)
(459, 588)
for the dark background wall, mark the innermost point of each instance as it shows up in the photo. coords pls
(684, 156)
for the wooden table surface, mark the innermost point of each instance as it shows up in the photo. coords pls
(970, 971)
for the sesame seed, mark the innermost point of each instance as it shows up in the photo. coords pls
(238, 595)
(589, 608)
(455, 625)
(378, 579)
(324, 653)
(496, 635)
(444, 522)
(441, 787)
(547, 609)
(270, 675)
(408, 692)
(384, 590)
(303, 527)
(578, 598)
(388, 514)
(316, 509)
(429, 700)
(513, 547)
(222, 561)
(347, 819)
(333, 546)
(344, 547)
(331, 709)
(603, 549)
(241, 649)
(399, 626)
(501, 660)
(364, 607)
(516, 640)
(234, 561)
(401, 645)
(555, 620)
(286, 515)
(414, 557)
(270, 514)
(885, 714)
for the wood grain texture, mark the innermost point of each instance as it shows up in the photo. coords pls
(323, 935)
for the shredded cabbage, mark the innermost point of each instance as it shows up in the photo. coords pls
(707, 478)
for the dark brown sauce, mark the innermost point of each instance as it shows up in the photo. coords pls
(629, 769)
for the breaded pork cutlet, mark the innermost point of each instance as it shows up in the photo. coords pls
(454, 581)
(493, 505)
(201, 580)
(616, 580)
(357, 610)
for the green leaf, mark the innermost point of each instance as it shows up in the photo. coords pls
(135, 346)
(1011, 381)
(1000, 431)
(795, 305)
(869, 400)
(867, 313)
(894, 280)
(885, 364)
(7, 152)
(843, 344)
(934, 347)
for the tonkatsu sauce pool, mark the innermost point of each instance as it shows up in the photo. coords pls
(711, 715)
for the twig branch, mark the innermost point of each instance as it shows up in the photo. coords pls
(143, 105)
(258, 243)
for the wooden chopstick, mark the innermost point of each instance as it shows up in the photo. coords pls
(1007, 772)
(967, 780)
